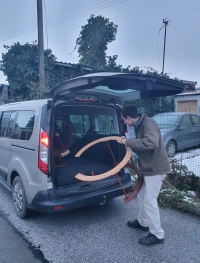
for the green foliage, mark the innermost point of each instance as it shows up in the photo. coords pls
(180, 199)
(20, 65)
(182, 178)
(111, 65)
(4, 99)
(60, 74)
(152, 106)
(93, 40)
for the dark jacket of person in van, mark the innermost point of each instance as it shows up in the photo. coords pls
(150, 147)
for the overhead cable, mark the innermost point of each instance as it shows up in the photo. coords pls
(22, 31)
(183, 11)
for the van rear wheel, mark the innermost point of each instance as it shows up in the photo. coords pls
(19, 198)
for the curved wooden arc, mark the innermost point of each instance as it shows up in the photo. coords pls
(105, 139)
(113, 171)
(138, 185)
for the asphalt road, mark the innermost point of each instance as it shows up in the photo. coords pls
(14, 248)
(99, 234)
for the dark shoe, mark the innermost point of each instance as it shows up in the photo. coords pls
(136, 224)
(150, 240)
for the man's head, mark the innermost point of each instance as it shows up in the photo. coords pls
(129, 115)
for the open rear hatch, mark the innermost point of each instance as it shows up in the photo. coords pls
(119, 86)
(109, 87)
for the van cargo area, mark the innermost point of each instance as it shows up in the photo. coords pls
(75, 126)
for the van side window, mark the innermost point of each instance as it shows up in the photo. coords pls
(81, 123)
(24, 125)
(105, 124)
(7, 122)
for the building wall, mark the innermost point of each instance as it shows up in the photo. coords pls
(187, 103)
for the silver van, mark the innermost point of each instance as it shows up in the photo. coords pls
(39, 141)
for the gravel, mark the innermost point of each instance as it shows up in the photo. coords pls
(98, 234)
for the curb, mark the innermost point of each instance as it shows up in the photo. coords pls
(187, 209)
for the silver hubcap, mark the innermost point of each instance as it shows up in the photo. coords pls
(171, 149)
(18, 197)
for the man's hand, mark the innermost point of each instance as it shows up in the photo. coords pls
(122, 140)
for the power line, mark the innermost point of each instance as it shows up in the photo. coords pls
(32, 27)
(14, 34)
(80, 7)
(166, 22)
(183, 11)
(33, 24)
(185, 14)
(63, 20)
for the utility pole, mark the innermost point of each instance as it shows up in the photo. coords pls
(40, 49)
(166, 22)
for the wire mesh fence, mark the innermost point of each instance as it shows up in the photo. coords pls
(181, 135)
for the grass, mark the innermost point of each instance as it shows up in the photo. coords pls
(171, 196)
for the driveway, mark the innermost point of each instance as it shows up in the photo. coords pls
(99, 234)
(14, 248)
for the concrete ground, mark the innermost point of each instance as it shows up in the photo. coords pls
(14, 248)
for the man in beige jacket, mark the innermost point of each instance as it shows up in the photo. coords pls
(154, 166)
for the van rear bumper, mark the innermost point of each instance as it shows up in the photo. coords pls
(42, 203)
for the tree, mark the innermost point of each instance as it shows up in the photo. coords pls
(20, 65)
(93, 40)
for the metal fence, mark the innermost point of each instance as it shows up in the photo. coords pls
(181, 134)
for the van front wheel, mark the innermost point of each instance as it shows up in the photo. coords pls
(19, 198)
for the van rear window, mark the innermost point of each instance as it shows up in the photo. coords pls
(24, 125)
(83, 124)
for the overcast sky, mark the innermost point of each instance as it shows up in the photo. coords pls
(139, 40)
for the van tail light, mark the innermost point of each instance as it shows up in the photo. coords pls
(43, 152)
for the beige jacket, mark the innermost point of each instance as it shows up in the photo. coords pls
(150, 147)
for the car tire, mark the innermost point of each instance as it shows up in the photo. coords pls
(171, 149)
(19, 198)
